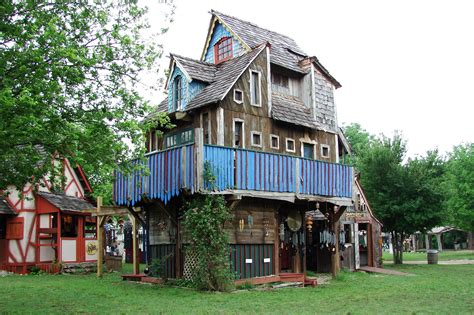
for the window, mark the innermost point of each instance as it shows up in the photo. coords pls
(238, 96)
(15, 229)
(308, 150)
(256, 139)
(274, 142)
(90, 230)
(206, 126)
(179, 138)
(69, 225)
(151, 141)
(3, 227)
(177, 93)
(290, 145)
(223, 49)
(255, 88)
(280, 80)
(239, 134)
(324, 151)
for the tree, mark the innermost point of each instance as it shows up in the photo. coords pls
(406, 197)
(459, 188)
(70, 86)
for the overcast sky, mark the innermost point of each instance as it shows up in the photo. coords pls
(403, 65)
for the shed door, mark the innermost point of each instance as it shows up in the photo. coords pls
(356, 246)
(3, 241)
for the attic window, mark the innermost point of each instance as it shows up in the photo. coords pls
(238, 96)
(256, 139)
(223, 49)
(255, 92)
(290, 145)
(274, 142)
(280, 80)
(177, 93)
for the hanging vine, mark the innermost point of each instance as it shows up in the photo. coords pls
(204, 221)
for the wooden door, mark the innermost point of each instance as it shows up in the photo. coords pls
(3, 241)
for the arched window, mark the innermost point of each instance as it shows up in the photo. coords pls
(177, 93)
(223, 49)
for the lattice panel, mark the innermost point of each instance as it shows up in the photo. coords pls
(190, 264)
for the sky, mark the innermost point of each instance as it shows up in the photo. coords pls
(403, 65)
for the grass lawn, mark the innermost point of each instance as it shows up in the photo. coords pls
(444, 255)
(432, 289)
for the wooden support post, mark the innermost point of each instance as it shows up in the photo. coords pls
(335, 257)
(136, 261)
(100, 241)
(199, 140)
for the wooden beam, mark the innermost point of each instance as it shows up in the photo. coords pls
(136, 262)
(100, 241)
(112, 210)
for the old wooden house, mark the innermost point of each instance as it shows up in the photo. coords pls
(45, 229)
(260, 113)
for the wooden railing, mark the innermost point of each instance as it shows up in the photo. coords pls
(261, 171)
(163, 175)
(166, 173)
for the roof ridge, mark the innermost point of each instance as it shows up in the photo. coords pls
(253, 24)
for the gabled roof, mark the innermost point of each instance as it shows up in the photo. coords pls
(227, 73)
(5, 207)
(292, 110)
(197, 70)
(285, 52)
(66, 203)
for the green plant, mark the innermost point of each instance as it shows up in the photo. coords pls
(204, 219)
(157, 267)
(245, 286)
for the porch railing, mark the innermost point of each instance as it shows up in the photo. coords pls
(261, 171)
(166, 173)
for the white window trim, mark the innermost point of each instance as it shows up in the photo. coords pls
(313, 143)
(294, 145)
(252, 133)
(233, 132)
(329, 151)
(237, 101)
(278, 142)
(259, 88)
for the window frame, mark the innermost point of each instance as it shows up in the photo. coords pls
(242, 93)
(294, 145)
(177, 89)
(325, 146)
(217, 48)
(179, 138)
(15, 228)
(243, 132)
(271, 142)
(259, 75)
(259, 133)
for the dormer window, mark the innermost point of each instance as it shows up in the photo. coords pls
(223, 49)
(177, 93)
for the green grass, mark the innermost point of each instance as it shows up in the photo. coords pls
(444, 255)
(433, 289)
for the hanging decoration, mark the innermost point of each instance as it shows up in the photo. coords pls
(309, 223)
(266, 223)
(241, 225)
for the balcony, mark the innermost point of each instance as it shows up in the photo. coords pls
(237, 171)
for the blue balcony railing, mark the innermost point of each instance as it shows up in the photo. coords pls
(167, 173)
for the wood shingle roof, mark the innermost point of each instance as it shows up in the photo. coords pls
(292, 110)
(5, 207)
(65, 202)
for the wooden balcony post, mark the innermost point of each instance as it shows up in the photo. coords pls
(136, 261)
(199, 140)
(100, 241)
(297, 176)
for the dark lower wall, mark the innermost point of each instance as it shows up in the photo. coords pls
(257, 253)
(166, 254)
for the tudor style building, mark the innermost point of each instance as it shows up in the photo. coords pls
(41, 228)
(259, 112)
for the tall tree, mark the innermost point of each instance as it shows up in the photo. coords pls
(459, 188)
(406, 197)
(70, 85)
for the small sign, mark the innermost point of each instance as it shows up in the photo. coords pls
(266, 260)
(248, 261)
